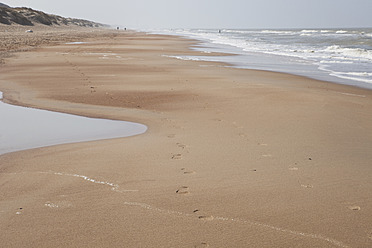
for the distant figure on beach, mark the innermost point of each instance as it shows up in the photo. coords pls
(117, 28)
(219, 31)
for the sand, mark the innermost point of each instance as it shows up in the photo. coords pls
(232, 157)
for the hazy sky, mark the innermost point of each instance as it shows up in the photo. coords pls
(212, 13)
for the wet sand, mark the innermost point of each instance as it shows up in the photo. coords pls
(232, 158)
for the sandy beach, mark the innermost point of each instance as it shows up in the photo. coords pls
(231, 158)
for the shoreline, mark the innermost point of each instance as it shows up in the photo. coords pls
(251, 59)
(195, 46)
(232, 157)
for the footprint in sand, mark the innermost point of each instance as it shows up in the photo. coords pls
(237, 126)
(201, 245)
(181, 145)
(186, 172)
(171, 136)
(206, 217)
(293, 168)
(184, 190)
(168, 120)
(242, 135)
(354, 208)
(177, 156)
(202, 216)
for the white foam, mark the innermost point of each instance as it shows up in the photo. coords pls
(357, 53)
(25, 128)
(191, 58)
(116, 188)
(301, 234)
(113, 186)
(369, 74)
(355, 78)
(276, 32)
(334, 62)
(322, 54)
(309, 31)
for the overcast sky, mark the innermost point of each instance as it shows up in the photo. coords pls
(212, 13)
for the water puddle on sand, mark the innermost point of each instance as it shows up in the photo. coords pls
(24, 128)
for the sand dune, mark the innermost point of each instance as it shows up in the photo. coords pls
(30, 17)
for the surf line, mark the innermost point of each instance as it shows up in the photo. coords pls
(115, 187)
(237, 220)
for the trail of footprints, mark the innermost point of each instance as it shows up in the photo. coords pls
(179, 156)
(295, 170)
(268, 155)
(197, 213)
(185, 190)
(82, 75)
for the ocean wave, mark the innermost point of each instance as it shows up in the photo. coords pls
(234, 31)
(358, 53)
(309, 31)
(335, 62)
(276, 32)
(365, 77)
(351, 77)
(341, 32)
(359, 74)
(345, 54)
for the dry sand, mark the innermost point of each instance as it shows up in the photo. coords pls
(232, 158)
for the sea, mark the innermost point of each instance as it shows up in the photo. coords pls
(336, 55)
